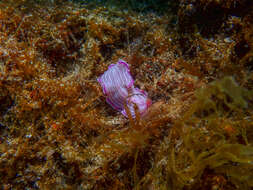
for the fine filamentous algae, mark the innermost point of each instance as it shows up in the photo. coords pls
(185, 91)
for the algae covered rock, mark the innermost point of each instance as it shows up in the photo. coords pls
(58, 132)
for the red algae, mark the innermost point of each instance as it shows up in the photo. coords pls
(57, 132)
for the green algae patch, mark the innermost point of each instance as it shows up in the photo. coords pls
(223, 95)
(210, 139)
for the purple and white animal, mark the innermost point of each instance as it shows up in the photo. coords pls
(118, 86)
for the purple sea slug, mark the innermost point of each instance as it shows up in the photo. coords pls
(118, 86)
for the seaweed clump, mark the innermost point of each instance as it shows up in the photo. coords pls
(210, 146)
(57, 132)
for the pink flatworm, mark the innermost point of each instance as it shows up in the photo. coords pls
(118, 86)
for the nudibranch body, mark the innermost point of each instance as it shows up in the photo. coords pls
(118, 86)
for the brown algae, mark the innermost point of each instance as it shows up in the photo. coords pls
(57, 132)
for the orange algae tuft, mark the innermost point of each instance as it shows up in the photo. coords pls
(57, 132)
